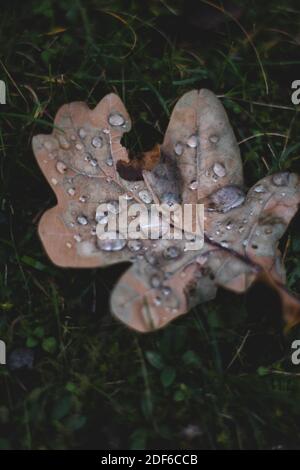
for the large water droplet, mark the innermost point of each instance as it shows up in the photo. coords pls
(227, 198)
(260, 189)
(116, 119)
(82, 133)
(135, 245)
(97, 142)
(213, 138)
(192, 141)
(145, 196)
(82, 220)
(219, 170)
(172, 252)
(178, 149)
(193, 185)
(111, 242)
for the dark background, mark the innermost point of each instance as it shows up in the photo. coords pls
(221, 376)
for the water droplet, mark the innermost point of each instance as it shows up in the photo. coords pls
(172, 252)
(87, 157)
(97, 142)
(116, 119)
(82, 220)
(283, 194)
(82, 133)
(83, 199)
(192, 141)
(178, 148)
(61, 167)
(109, 162)
(54, 181)
(93, 162)
(227, 198)
(213, 138)
(193, 185)
(166, 291)
(224, 243)
(245, 242)
(281, 179)
(113, 207)
(145, 196)
(71, 191)
(128, 196)
(155, 281)
(229, 226)
(219, 170)
(99, 216)
(170, 199)
(65, 145)
(157, 301)
(79, 146)
(259, 189)
(102, 220)
(111, 242)
(135, 245)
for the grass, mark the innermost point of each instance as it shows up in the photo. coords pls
(218, 378)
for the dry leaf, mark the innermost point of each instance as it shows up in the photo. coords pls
(198, 162)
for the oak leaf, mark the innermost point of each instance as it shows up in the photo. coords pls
(198, 162)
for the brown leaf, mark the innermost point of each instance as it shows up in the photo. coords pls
(198, 162)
